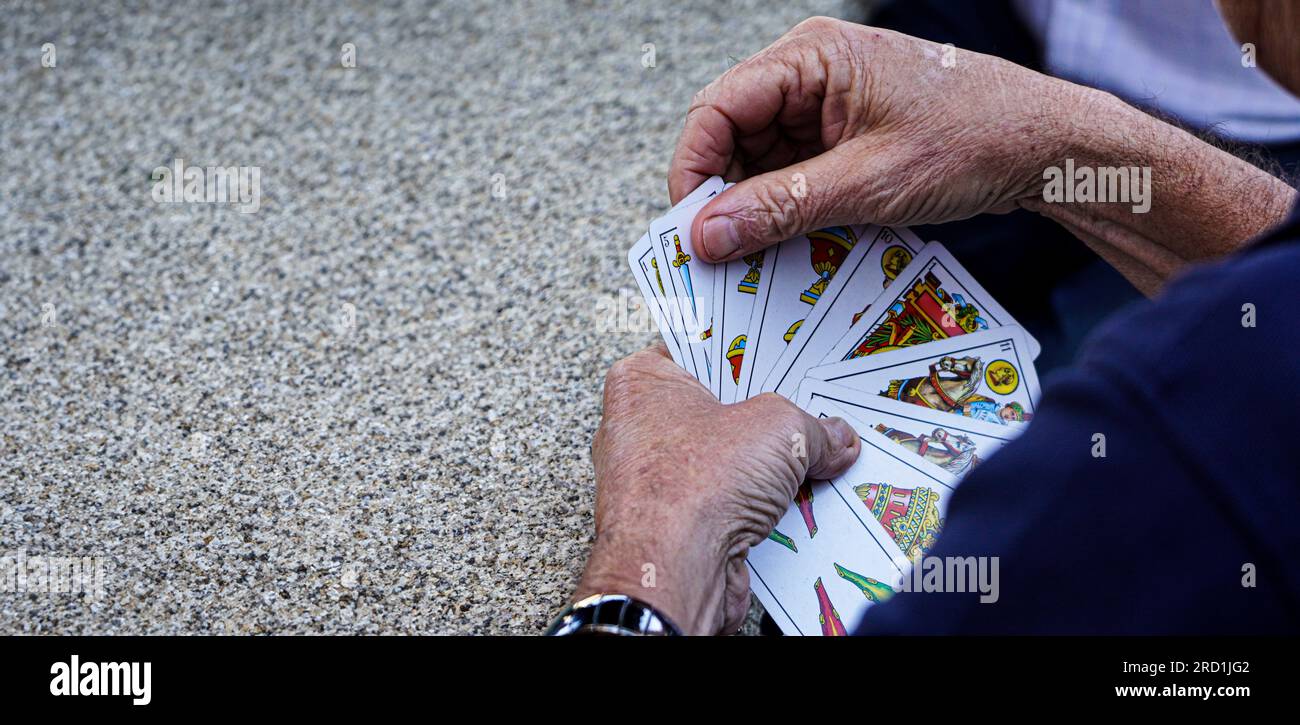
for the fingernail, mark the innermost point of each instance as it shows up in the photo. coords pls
(720, 237)
(841, 432)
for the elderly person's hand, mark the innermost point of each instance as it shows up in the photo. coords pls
(883, 127)
(837, 123)
(685, 486)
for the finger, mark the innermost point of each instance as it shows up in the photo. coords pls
(826, 190)
(825, 447)
(742, 102)
(840, 448)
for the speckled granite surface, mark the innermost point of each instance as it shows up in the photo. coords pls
(366, 407)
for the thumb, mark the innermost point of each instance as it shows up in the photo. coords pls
(840, 448)
(824, 448)
(779, 205)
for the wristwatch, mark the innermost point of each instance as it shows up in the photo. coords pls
(612, 614)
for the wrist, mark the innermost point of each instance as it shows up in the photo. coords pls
(675, 571)
(1198, 201)
(1098, 128)
(1059, 134)
(1030, 121)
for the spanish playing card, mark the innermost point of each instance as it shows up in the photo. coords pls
(986, 375)
(797, 273)
(868, 324)
(846, 543)
(935, 299)
(869, 268)
(954, 444)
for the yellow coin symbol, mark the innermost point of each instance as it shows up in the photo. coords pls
(893, 261)
(1002, 377)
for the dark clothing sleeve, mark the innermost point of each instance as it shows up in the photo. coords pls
(1190, 522)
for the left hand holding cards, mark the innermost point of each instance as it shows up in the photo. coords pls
(686, 486)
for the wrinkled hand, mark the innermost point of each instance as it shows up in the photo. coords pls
(685, 486)
(837, 123)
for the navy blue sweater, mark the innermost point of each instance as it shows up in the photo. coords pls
(1191, 522)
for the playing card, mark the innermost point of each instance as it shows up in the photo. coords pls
(707, 189)
(846, 544)
(889, 463)
(952, 443)
(986, 375)
(646, 271)
(796, 273)
(735, 288)
(934, 299)
(690, 282)
(798, 577)
(874, 262)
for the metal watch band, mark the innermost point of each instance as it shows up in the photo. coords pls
(612, 614)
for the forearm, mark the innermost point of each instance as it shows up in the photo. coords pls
(1203, 201)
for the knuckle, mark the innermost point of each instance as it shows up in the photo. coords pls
(620, 383)
(704, 96)
(770, 399)
(699, 100)
(780, 212)
(629, 378)
(641, 361)
(818, 24)
(775, 408)
(618, 370)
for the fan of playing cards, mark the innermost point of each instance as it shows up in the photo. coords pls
(868, 324)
